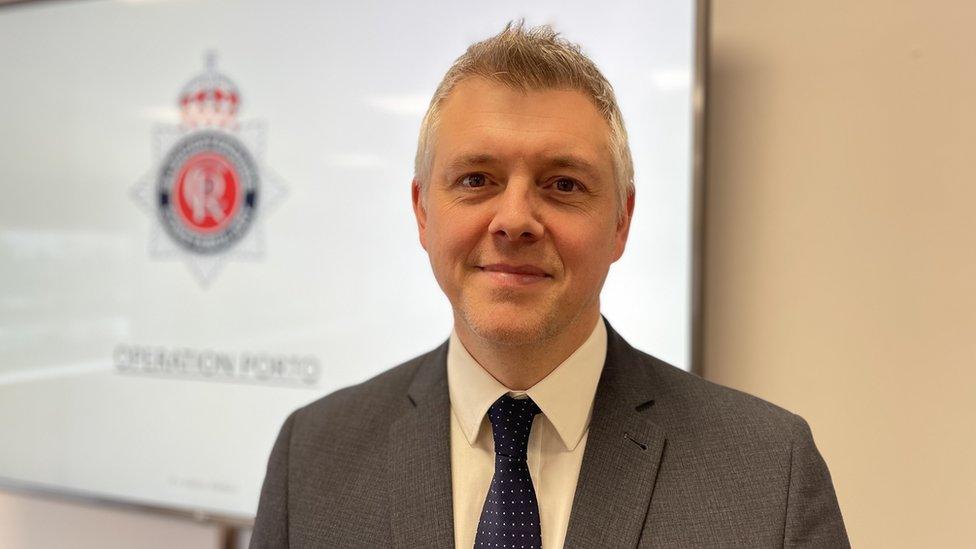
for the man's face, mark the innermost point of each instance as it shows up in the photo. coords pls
(521, 223)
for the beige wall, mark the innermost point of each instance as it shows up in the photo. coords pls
(28, 522)
(840, 256)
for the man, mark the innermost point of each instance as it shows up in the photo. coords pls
(536, 424)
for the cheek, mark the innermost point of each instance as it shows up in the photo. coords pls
(453, 238)
(586, 252)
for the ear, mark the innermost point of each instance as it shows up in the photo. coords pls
(623, 228)
(419, 211)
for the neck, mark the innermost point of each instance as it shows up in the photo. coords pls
(521, 366)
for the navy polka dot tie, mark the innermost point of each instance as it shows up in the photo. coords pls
(510, 517)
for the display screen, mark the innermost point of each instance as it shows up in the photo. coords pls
(206, 220)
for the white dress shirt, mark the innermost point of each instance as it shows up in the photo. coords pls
(556, 442)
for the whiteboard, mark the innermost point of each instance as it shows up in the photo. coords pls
(137, 369)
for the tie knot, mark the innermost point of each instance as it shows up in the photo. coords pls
(511, 422)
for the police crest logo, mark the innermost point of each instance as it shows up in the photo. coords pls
(208, 189)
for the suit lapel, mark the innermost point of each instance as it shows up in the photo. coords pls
(616, 481)
(422, 512)
(622, 456)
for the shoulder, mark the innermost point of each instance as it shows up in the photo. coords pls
(725, 447)
(697, 409)
(362, 409)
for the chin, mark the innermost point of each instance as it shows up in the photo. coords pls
(504, 324)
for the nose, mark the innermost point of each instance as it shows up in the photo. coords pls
(516, 215)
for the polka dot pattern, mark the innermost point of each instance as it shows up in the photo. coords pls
(510, 517)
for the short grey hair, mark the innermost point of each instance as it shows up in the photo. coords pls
(531, 59)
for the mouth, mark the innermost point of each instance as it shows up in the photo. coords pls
(513, 269)
(514, 275)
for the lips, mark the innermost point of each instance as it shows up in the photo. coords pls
(514, 269)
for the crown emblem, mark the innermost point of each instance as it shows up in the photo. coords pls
(210, 99)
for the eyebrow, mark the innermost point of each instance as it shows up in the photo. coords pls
(574, 162)
(469, 160)
(569, 161)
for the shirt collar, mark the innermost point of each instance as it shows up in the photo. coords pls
(565, 396)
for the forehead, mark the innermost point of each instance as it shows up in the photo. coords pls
(480, 116)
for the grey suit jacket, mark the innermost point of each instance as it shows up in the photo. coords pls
(671, 460)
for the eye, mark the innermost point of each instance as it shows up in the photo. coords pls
(566, 185)
(473, 180)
